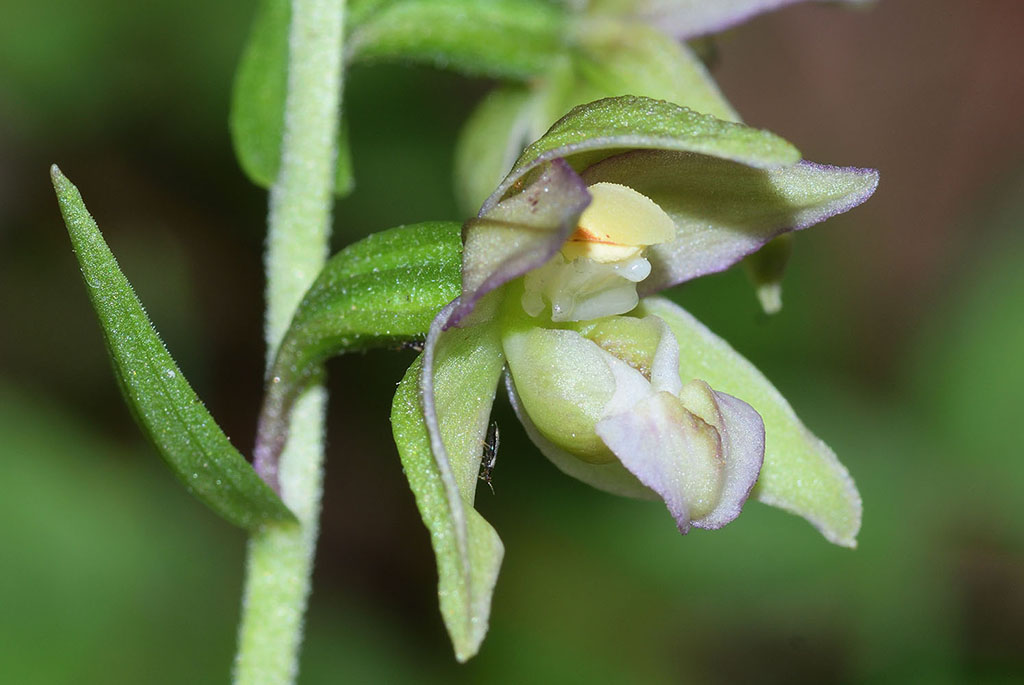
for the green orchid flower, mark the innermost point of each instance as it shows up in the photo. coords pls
(623, 390)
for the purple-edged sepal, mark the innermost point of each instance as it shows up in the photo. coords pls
(519, 234)
(439, 419)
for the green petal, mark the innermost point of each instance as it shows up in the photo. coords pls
(800, 473)
(503, 38)
(598, 130)
(382, 291)
(563, 383)
(442, 466)
(257, 101)
(165, 406)
(610, 476)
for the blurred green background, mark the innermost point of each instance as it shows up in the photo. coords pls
(901, 343)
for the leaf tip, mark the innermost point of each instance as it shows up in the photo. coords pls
(59, 180)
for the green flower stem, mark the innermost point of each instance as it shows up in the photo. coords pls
(281, 556)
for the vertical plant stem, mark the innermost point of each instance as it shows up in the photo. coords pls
(280, 557)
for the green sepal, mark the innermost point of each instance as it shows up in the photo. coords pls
(467, 366)
(608, 127)
(165, 406)
(382, 291)
(800, 474)
(499, 38)
(258, 97)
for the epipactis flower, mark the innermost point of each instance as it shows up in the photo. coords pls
(618, 47)
(620, 199)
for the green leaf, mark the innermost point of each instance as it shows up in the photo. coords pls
(382, 291)
(800, 473)
(501, 38)
(467, 365)
(163, 403)
(378, 292)
(598, 130)
(258, 97)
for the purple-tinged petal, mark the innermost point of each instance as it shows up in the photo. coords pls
(742, 433)
(671, 451)
(724, 211)
(519, 234)
(685, 19)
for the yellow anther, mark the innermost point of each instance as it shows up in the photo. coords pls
(617, 225)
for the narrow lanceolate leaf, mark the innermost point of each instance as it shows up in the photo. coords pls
(723, 210)
(691, 18)
(257, 100)
(800, 473)
(502, 38)
(382, 291)
(167, 409)
(439, 419)
(598, 130)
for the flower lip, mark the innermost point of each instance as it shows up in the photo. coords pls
(600, 419)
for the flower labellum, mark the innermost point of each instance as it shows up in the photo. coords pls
(632, 422)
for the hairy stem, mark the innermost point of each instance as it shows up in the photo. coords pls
(281, 556)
